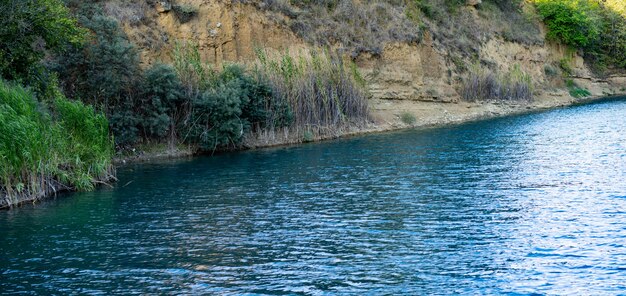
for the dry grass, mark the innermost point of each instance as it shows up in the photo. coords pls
(321, 92)
(484, 85)
(126, 11)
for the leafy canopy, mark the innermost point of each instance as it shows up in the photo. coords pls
(30, 28)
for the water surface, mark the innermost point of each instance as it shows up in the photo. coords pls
(526, 204)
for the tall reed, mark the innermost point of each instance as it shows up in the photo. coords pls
(324, 94)
(484, 85)
(42, 152)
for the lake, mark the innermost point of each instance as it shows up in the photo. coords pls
(528, 204)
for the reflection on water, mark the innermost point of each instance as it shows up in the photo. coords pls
(527, 204)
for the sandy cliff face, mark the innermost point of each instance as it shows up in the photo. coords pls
(224, 31)
(400, 77)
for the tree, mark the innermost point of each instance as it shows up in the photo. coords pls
(30, 28)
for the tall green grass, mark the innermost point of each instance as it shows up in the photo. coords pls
(47, 149)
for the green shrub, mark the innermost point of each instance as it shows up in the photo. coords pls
(105, 73)
(550, 70)
(220, 107)
(408, 118)
(565, 65)
(579, 92)
(575, 90)
(162, 93)
(567, 21)
(124, 126)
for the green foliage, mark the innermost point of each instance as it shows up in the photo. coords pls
(565, 65)
(575, 90)
(105, 73)
(162, 93)
(408, 118)
(124, 126)
(596, 27)
(106, 70)
(40, 150)
(579, 92)
(568, 21)
(550, 70)
(28, 30)
(221, 106)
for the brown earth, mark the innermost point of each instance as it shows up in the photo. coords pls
(418, 79)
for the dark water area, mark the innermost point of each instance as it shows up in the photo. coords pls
(530, 204)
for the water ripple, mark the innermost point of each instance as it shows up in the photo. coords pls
(525, 205)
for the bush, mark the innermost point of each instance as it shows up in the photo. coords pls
(567, 22)
(162, 93)
(221, 106)
(550, 70)
(408, 118)
(483, 85)
(576, 91)
(104, 73)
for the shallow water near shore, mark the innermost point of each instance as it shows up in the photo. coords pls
(526, 204)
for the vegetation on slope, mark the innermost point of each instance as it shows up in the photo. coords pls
(193, 103)
(45, 149)
(513, 86)
(366, 26)
(596, 27)
(47, 143)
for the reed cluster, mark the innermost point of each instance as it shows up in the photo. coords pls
(324, 94)
(46, 147)
(485, 85)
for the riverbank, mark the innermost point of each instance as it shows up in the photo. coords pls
(387, 115)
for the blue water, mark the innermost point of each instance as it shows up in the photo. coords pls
(531, 204)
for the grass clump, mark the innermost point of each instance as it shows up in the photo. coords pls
(323, 94)
(575, 90)
(484, 85)
(44, 150)
(185, 12)
(408, 118)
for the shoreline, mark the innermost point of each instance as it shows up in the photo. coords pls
(387, 119)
